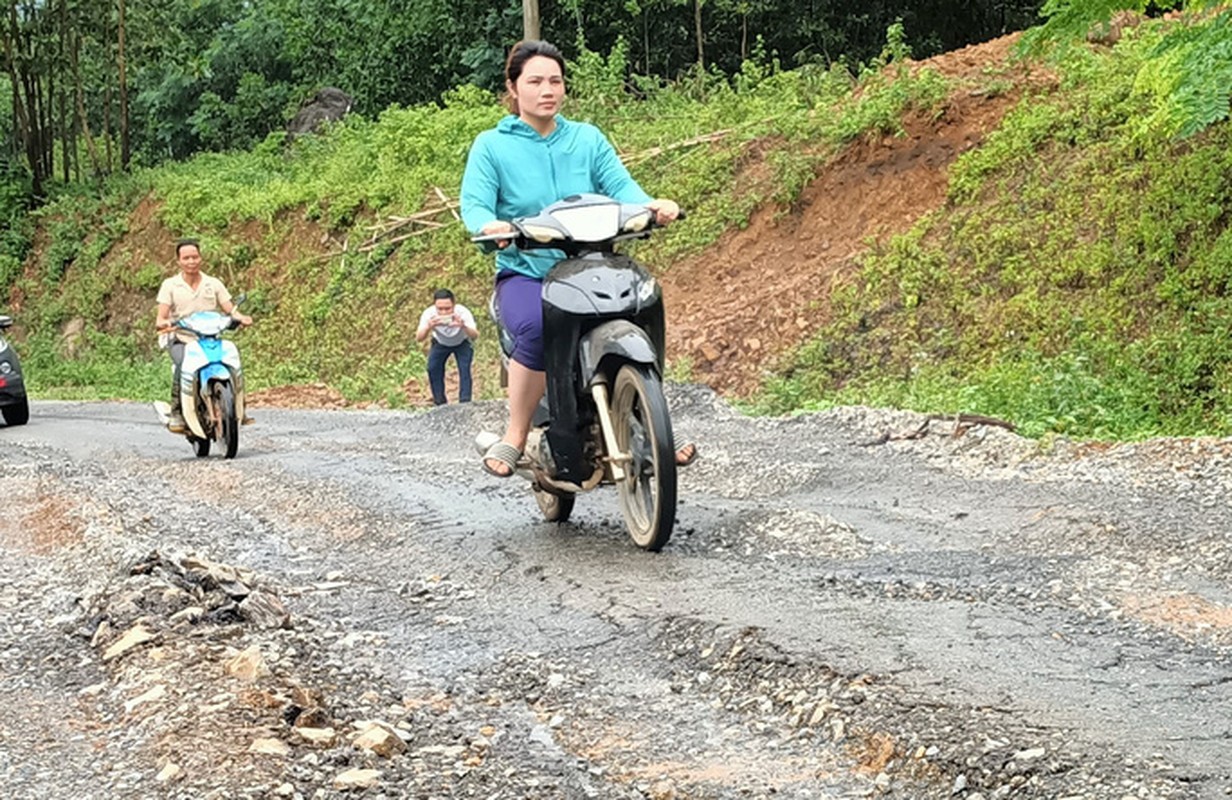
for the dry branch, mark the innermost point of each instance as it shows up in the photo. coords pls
(448, 204)
(373, 244)
(642, 155)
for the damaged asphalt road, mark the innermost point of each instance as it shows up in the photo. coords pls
(854, 603)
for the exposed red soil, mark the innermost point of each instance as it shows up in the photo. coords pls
(311, 395)
(734, 311)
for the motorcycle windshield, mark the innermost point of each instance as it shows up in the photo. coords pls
(206, 323)
(592, 223)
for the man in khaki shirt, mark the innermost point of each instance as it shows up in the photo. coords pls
(180, 295)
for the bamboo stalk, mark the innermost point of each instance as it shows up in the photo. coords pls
(372, 245)
(448, 204)
(707, 138)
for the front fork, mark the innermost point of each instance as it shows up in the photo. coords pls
(204, 399)
(615, 458)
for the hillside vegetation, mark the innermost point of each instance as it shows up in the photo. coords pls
(311, 230)
(1074, 280)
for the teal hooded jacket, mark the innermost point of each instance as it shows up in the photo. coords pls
(512, 171)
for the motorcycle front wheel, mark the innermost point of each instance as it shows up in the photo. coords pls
(228, 424)
(644, 431)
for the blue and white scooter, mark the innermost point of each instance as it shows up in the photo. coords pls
(211, 384)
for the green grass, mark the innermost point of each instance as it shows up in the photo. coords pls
(1077, 282)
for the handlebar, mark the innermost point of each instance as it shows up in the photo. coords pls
(518, 236)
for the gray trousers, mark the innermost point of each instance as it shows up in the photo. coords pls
(176, 349)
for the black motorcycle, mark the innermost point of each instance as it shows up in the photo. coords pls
(603, 419)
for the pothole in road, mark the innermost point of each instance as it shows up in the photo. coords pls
(794, 532)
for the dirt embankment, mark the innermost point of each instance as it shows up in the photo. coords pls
(735, 310)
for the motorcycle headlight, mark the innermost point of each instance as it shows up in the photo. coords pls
(647, 290)
(638, 222)
(542, 233)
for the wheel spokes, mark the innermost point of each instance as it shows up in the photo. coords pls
(640, 446)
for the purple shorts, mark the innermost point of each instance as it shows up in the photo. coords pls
(521, 309)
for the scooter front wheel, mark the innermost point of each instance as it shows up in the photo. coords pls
(228, 422)
(644, 432)
(200, 446)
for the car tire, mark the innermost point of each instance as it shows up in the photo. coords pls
(16, 414)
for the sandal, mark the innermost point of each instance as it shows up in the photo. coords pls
(688, 459)
(503, 453)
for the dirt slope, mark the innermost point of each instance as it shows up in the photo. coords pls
(762, 291)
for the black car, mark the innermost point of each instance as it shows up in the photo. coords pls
(13, 404)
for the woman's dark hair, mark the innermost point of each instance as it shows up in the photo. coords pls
(519, 54)
(442, 294)
(182, 243)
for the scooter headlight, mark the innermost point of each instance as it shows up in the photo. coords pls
(542, 233)
(638, 222)
(647, 290)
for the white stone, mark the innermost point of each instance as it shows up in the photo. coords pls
(170, 772)
(321, 736)
(357, 779)
(156, 693)
(134, 637)
(270, 747)
(249, 665)
(381, 740)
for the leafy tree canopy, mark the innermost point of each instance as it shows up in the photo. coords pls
(1188, 76)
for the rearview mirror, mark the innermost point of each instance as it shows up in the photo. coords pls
(5, 322)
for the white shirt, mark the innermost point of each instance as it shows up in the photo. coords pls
(449, 335)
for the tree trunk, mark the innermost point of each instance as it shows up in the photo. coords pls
(107, 128)
(107, 94)
(82, 121)
(67, 144)
(530, 19)
(125, 149)
(41, 119)
(10, 62)
(697, 26)
(744, 37)
(646, 38)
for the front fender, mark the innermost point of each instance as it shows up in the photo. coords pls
(618, 337)
(211, 372)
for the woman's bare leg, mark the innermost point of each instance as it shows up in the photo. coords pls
(526, 387)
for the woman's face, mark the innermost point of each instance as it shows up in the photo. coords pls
(539, 90)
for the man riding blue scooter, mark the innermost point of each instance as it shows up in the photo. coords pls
(179, 296)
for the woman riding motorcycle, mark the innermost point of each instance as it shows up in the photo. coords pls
(532, 158)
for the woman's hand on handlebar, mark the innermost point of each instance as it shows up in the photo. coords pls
(665, 210)
(498, 226)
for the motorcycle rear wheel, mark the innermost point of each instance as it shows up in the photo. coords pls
(644, 430)
(228, 423)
